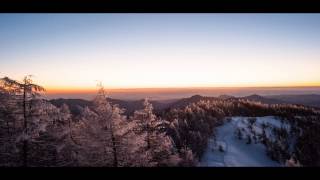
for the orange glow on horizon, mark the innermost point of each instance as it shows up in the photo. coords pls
(134, 53)
(61, 90)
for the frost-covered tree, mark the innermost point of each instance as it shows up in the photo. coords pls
(24, 97)
(187, 158)
(158, 145)
(90, 134)
(38, 131)
(106, 137)
(8, 122)
(59, 131)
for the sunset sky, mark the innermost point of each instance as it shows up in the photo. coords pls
(75, 51)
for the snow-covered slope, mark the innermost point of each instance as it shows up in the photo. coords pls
(226, 149)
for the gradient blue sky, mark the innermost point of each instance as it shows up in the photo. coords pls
(74, 51)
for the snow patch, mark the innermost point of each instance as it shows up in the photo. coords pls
(226, 149)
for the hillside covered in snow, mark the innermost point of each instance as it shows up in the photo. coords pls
(238, 142)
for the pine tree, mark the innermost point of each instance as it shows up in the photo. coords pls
(62, 142)
(90, 134)
(105, 132)
(24, 95)
(158, 145)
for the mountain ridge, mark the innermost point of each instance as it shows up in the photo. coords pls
(75, 105)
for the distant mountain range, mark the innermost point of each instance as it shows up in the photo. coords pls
(263, 99)
(307, 99)
(76, 105)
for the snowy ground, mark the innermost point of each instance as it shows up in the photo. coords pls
(228, 150)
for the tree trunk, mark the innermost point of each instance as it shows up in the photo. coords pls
(8, 127)
(115, 158)
(25, 144)
(70, 134)
(148, 132)
(148, 136)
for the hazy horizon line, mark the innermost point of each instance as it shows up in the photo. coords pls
(173, 88)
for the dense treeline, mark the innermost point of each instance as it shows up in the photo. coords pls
(34, 132)
(308, 143)
(192, 126)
